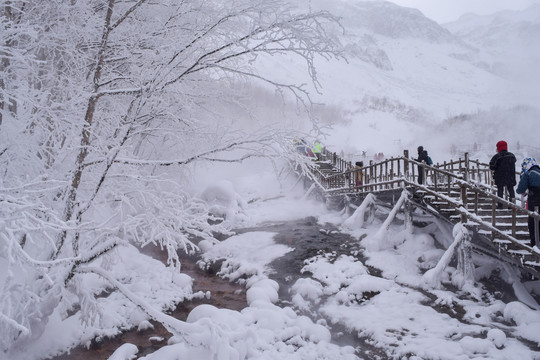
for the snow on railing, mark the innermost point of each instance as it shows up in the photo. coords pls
(452, 182)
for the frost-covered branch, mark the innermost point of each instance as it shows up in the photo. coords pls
(172, 324)
(23, 329)
(109, 95)
(302, 35)
(203, 155)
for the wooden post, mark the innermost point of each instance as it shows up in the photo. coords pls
(409, 216)
(386, 172)
(493, 212)
(514, 213)
(464, 201)
(465, 263)
(406, 164)
(371, 169)
(466, 167)
(435, 182)
(536, 230)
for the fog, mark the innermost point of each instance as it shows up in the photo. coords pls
(449, 10)
(418, 82)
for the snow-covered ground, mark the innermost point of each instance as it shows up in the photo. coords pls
(376, 292)
(396, 92)
(384, 299)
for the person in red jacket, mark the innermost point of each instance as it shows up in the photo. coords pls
(503, 164)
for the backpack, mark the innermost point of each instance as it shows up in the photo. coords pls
(429, 161)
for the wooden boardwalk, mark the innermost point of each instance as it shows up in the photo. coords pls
(459, 191)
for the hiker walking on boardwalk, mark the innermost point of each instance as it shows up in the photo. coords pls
(317, 149)
(422, 157)
(503, 164)
(530, 181)
(358, 173)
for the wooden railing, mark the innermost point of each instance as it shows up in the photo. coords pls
(458, 183)
(335, 160)
(464, 168)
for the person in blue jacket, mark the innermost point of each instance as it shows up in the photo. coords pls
(530, 181)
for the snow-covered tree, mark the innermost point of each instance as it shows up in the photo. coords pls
(104, 106)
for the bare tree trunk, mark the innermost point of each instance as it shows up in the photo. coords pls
(3, 66)
(6, 104)
(71, 199)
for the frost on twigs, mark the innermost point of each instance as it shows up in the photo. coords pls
(112, 113)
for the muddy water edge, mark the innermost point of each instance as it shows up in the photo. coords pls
(306, 237)
(224, 294)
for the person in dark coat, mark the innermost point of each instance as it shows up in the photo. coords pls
(503, 164)
(422, 157)
(530, 181)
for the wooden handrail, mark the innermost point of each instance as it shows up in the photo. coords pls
(460, 207)
(398, 172)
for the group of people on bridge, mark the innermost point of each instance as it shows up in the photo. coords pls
(504, 175)
(503, 165)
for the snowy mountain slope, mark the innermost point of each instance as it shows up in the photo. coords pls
(509, 41)
(499, 29)
(404, 71)
(397, 53)
(389, 20)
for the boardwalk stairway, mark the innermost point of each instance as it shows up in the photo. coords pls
(459, 191)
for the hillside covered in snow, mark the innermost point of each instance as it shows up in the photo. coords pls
(408, 80)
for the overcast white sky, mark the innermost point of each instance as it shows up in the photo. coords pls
(449, 10)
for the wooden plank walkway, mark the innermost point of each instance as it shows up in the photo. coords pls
(460, 191)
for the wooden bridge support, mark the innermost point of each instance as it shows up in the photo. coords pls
(465, 266)
(460, 190)
(536, 229)
(377, 241)
(408, 215)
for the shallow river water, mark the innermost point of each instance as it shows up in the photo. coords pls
(223, 295)
(307, 238)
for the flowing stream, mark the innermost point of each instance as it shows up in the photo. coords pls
(307, 238)
(224, 294)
